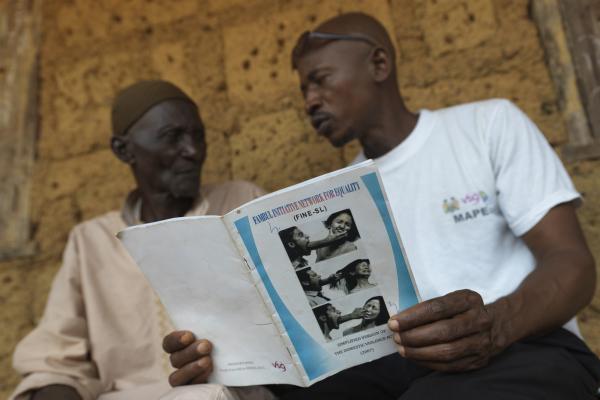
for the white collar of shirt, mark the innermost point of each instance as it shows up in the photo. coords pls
(408, 146)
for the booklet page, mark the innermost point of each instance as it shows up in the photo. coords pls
(329, 262)
(204, 284)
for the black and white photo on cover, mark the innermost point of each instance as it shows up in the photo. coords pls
(312, 283)
(351, 315)
(320, 240)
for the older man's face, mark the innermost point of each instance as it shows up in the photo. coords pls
(337, 87)
(168, 146)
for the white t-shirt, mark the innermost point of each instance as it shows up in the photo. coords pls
(463, 186)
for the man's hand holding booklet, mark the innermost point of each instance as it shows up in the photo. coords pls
(290, 288)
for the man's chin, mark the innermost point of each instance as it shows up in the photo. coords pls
(186, 190)
(339, 139)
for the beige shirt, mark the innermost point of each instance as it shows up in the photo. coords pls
(103, 325)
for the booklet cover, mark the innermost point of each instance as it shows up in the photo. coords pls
(291, 287)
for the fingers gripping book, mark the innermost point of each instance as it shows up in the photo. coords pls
(291, 287)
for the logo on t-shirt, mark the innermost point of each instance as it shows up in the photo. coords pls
(470, 206)
(451, 205)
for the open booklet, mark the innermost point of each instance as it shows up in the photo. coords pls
(291, 287)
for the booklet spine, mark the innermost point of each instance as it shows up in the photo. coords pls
(280, 328)
(258, 284)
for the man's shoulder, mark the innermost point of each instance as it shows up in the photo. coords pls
(223, 197)
(477, 121)
(235, 185)
(110, 222)
(239, 187)
(486, 108)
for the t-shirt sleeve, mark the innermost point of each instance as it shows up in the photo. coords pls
(530, 178)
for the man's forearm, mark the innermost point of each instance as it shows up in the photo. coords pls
(328, 280)
(457, 332)
(328, 241)
(347, 317)
(553, 293)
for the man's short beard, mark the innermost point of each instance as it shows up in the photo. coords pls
(300, 252)
(185, 190)
(349, 135)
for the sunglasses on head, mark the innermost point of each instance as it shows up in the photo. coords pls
(305, 39)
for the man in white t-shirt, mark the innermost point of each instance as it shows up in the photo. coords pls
(486, 212)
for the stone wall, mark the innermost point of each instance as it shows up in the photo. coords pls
(232, 56)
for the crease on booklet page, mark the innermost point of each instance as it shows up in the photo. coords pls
(308, 364)
(311, 357)
(266, 300)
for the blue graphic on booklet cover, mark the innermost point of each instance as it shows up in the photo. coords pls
(406, 290)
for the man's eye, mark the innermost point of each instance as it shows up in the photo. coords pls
(173, 134)
(320, 79)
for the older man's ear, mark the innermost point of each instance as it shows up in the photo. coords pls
(118, 144)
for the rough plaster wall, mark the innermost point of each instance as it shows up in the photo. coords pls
(232, 56)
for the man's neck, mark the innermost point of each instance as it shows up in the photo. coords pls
(326, 330)
(159, 206)
(394, 123)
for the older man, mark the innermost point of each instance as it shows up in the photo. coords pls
(102, 328)
(503, 272)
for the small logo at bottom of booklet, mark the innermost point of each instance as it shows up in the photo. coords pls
(279, 365)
